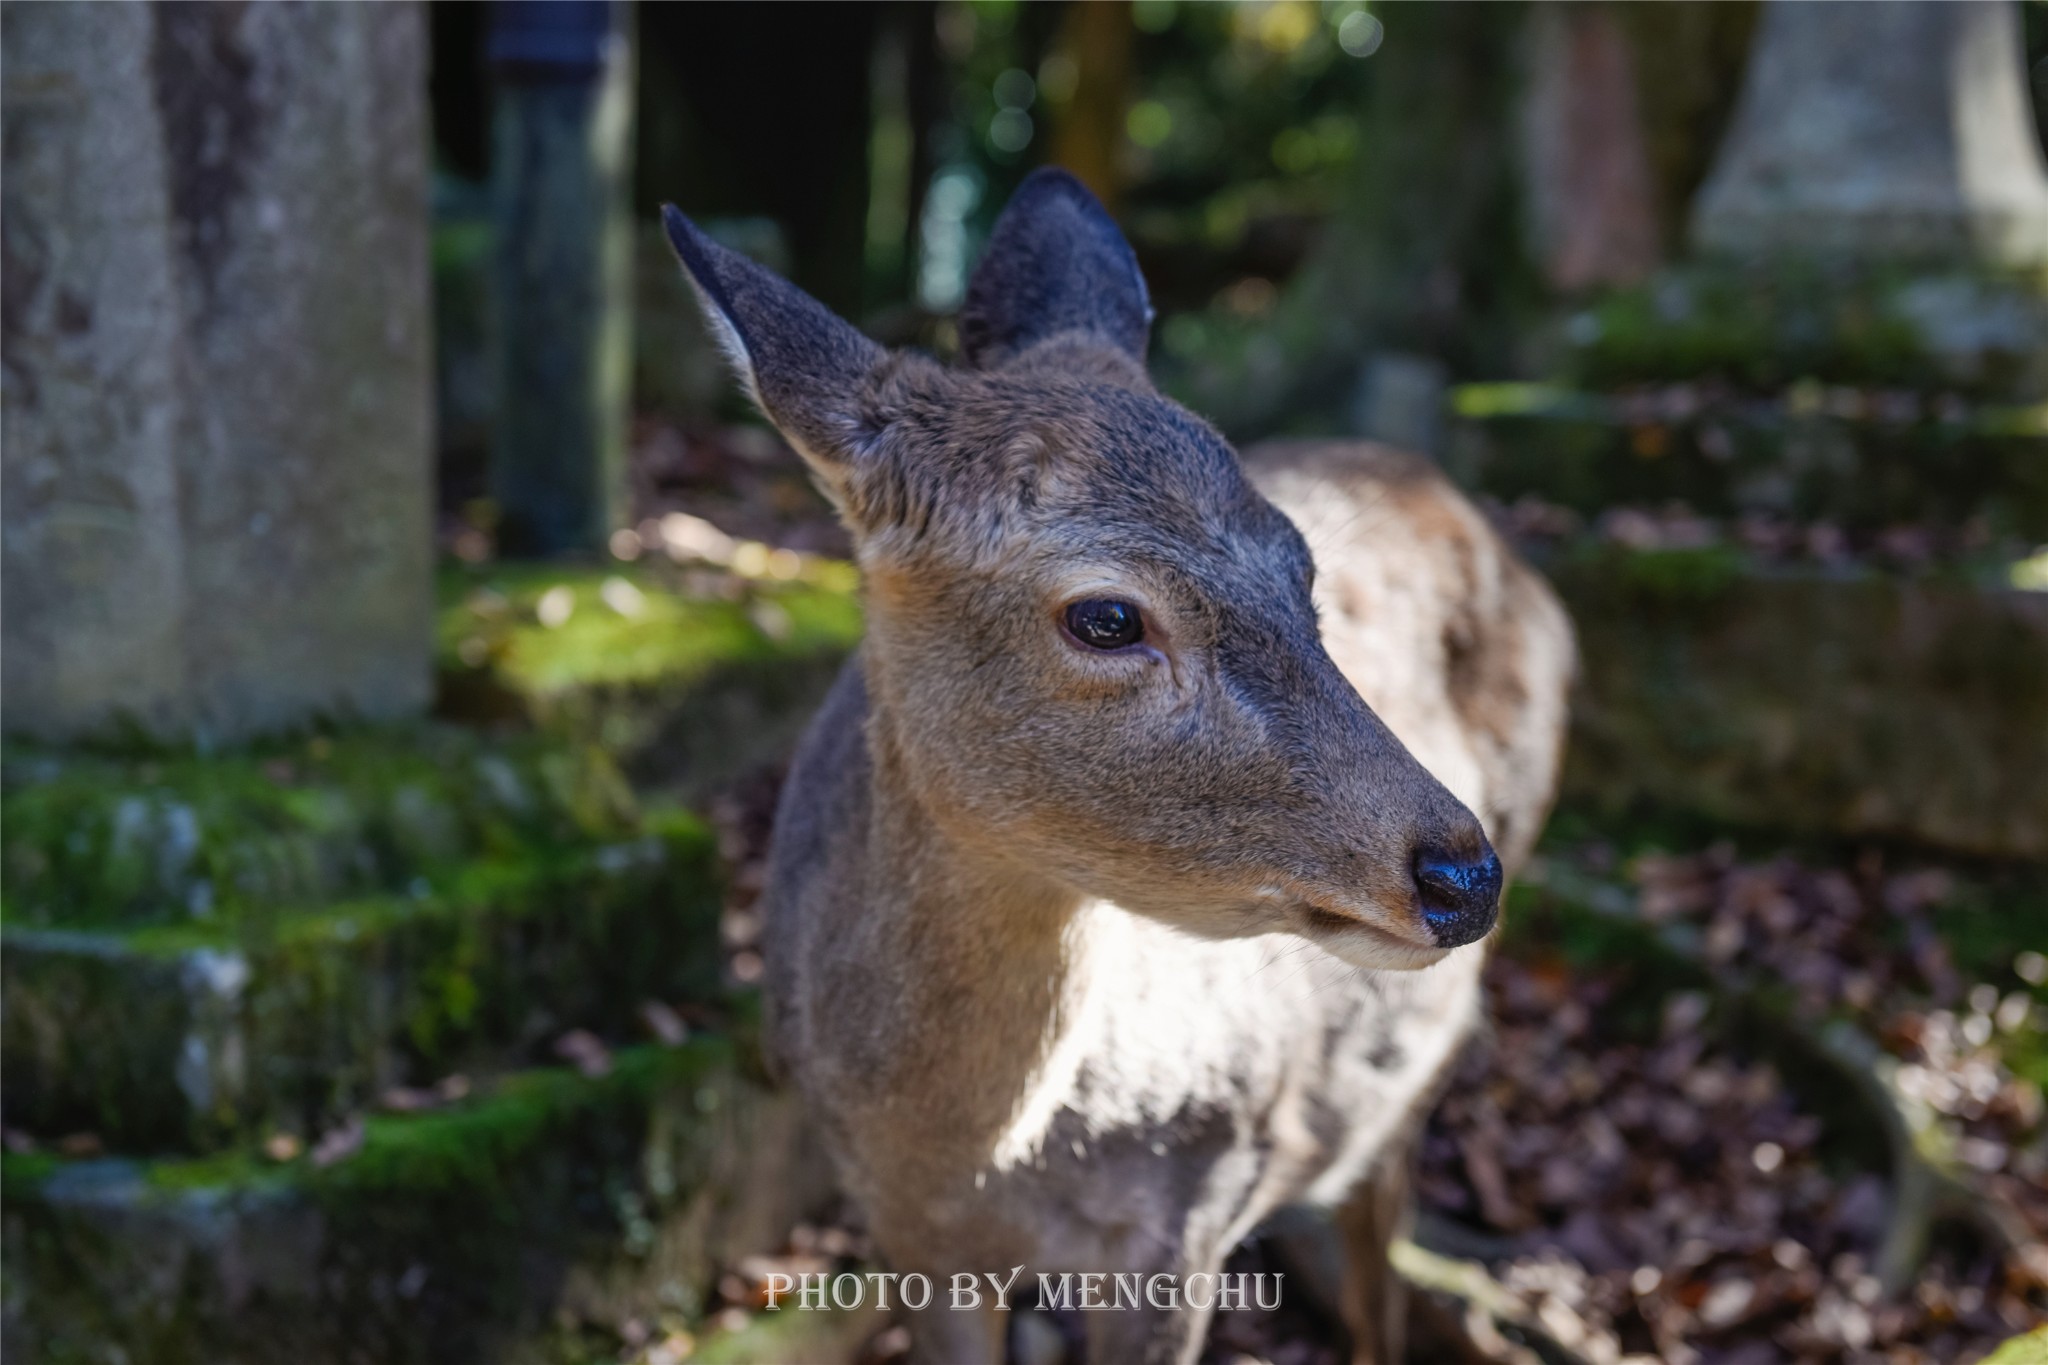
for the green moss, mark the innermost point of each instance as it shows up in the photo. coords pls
(2031, 1349)
(1767, 328)
(788, 1337)
(490, 619)
(186, 1036)
(1676, 578)
(189, 838)
(1793, 455)
(476, 1148)
(700, 678)
(1866, 401)
(464, 1234)
(464, 1148)
(241, 1171)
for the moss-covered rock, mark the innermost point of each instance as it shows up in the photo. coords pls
(2030, 1349)
(1867, 400)
(687, 677)
(1858, 459)
(190, 1036)
(474, 1233)
(1853, 706)
(180, 837)
(1765, 328)
(795, 1337)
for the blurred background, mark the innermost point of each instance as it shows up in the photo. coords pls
(405, 621)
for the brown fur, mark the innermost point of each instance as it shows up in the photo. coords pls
(1090, 961)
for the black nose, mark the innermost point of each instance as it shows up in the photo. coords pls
(1459, 894)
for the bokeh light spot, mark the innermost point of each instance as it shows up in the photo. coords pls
(1361, 34)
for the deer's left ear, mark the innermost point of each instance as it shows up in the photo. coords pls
(804, 367)
(1055, 263)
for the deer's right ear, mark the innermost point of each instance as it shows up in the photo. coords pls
(1055, 263)
(803, 366)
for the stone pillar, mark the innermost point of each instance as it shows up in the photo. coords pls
(217, 411)
(562, 155)
(1892, 129)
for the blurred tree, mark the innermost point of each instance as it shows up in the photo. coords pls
(562, 156)
(905, 91)
(1688, 58)
(1591, 205)
(765, 110)
(217, 406)
(1421, 251)
(1087, 81)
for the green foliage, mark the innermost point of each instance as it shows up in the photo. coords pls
(1419, 250)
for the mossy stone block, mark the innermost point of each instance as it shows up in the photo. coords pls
(686, 677)
(1862, 706)
(1764, 328)
(1810, 454)
(469, 1234)
(193, 1037)
(181, 837)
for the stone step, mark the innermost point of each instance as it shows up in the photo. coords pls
(1764, 328)
(198, 1036)
(689, 673)
(1860, 460)
(512, 1227)
(184, 838)
(1865, 705)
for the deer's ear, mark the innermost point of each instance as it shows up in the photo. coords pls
(803, 366)
(1055, 263)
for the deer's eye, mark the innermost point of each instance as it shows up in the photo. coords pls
(1104, 623)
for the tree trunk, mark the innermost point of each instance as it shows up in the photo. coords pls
(1088, 137)
(217, 387)
(1591, 201)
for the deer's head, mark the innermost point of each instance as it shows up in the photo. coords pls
(1091, 642)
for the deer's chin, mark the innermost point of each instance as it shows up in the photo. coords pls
(1362, 943)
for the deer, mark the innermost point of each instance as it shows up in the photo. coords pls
(1132, 883)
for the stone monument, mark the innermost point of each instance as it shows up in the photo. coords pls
(1897, 129)
(217, 410)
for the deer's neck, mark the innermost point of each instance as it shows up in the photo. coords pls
(976, 969)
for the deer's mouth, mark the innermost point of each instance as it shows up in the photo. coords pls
(1351, 936)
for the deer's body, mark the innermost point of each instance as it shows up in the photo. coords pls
(1091, 944)
(1270, 1071)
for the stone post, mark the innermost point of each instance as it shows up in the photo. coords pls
(217, 411)
(564, 277)
(1886, 130)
